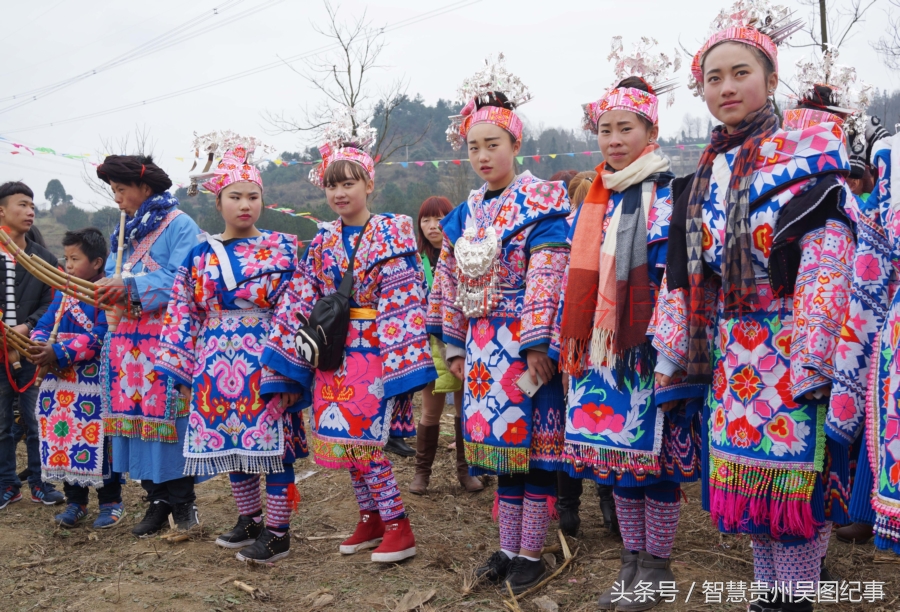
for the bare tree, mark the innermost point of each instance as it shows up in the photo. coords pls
(458, 182)
(137, 143)
(832, 22)
(343, 75)
(888, 46)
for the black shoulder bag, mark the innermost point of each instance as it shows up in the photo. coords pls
(322, 337)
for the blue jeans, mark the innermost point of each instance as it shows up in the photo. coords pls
(27, 405)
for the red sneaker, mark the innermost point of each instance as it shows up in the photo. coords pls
(399, 543)
(368, 534)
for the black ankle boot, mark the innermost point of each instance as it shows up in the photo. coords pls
(608, 508)
(267, 548)
(568, 501)
(244, 533)
(524, 574)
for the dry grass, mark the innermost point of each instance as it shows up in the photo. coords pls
(79, 569)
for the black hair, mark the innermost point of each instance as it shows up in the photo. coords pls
(90, 240)
(134, 170)
(820, 97)
(636, 82)
(345, 170)
(12, 188)
(499, 100)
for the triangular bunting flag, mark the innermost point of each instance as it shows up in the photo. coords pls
(520, 159)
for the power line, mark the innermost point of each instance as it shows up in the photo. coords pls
(249, 72)
(177, 35)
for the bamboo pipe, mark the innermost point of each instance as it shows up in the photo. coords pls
(18, 253)
(56, 280)
(114, 315)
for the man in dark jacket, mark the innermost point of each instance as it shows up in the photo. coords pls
(23, 300)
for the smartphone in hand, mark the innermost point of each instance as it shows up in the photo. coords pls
(528, 388)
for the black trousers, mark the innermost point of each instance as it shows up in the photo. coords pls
(109, 493)
(539, 478)
(178, 491)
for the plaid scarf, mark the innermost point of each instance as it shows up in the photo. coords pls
(738, 280)
(609, 300)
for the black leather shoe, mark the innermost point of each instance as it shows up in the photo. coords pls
(495, 569)
(244, 533)
(524, 574)
(398, 446)
(268, 548)
(155, 518)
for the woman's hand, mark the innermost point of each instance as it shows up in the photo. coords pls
(289, 399)
(457, 366)
(663, 381)
(185, 392)
(539, 365)
(111, 291)
(42, 355)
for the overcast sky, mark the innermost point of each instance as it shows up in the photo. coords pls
(557, 48)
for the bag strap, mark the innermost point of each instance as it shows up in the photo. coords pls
(346, 286)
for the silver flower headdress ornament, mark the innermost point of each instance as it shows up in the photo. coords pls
(848, 95)
(346, 137)
(493, 78)
(754, 22)
(655, 69)
(215, 144)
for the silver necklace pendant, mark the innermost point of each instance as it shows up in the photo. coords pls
(476, 293)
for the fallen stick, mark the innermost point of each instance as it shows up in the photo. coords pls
(177, 537)
(567, 554)
(512, 603)
(329, 537)
(245, 587)
(31, 564)
(712, 552)
(546, 580)
(227, 580)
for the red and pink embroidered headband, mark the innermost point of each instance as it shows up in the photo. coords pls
(233, 169)
(630, 99)
(747, 36)
(331, 154)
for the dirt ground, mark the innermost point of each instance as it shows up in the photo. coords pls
(44, 567)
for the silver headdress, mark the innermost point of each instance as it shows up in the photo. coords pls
(215, 144)
(775, 24)
(848, 95)
(346, 137)
(493, 78)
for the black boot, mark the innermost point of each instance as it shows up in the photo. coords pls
(268, 548)
(770, 603)
(524, 574)
(608, 508)
(244, 533)
(155, 518)
(495, 568)
(568, 501)
(398, 446)
(796, 606)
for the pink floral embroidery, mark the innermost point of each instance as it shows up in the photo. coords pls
(477, 427)
(867, 268)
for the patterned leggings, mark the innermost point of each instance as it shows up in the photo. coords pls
(783, 563)
(377, 490)
(523, 505)
(282, 496)
(648, 517)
